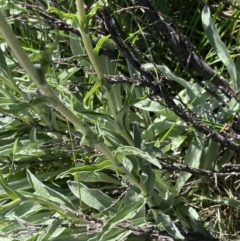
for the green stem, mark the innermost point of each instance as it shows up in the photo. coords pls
(22, 57)
(10, 205)
(83, 24)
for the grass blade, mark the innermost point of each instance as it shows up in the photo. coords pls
(218, 46)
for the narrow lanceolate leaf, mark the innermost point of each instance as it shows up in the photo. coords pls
(11, 192)
(165, 221)
(92, 197)
(123, 151)
(100, 42)
(166, 71)
(218, 46)
(15, 146)
(87, 168)
(124, 214)
(149, 105)
(114, 234)
(193, 157)
(238, 69)
(122, 112)
(47, 192)
(3, 66)
(91, 93)
(137, 136)
(49, 232)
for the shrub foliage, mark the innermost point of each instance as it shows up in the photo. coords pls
(119, 120)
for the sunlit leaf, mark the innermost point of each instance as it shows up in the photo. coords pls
(219, 47)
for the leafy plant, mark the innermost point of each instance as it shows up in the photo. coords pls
(113, 127)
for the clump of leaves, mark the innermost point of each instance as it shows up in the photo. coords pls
(103, 136)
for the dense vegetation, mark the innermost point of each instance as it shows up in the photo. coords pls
(119, 120)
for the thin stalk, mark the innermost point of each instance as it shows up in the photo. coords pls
(83, 24)
(77, 175)
(20, 55)
(11, 205)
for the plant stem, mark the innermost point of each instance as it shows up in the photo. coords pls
(83, 24)
(22, 58)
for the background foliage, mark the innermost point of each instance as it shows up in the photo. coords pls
(154, 150)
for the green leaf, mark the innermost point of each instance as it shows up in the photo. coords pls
(193, 91)
(148, 177)
(92, 197)
(66, 75)
(100, 43)
(62, 14)
(87, 168)
(3, 66)
(192, 159)
(163, 185)
(94, 8)
(165, 221)
(90, 115)
(24, 209)
(15, 145)
(161, 126)
(42, 100)
(210, 156)
(113, 138)
(108, 67)
(77, 46)
(115, 234)
(11, 85)
(189, 218)
(133, 164)
(48, 233)
(10, 205)
(33, 134)
(166, 71)
(12, 193)
(227, 201)
(149, 105)
(91, 93)
(124, 214)
(5, 239)
(137, 136)
(47, 192)
(49, 204)
(166, 202)
(123, 151)
(122, 112)
(97, 177)
(91, 139)
(238, 69)
(218, 46)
